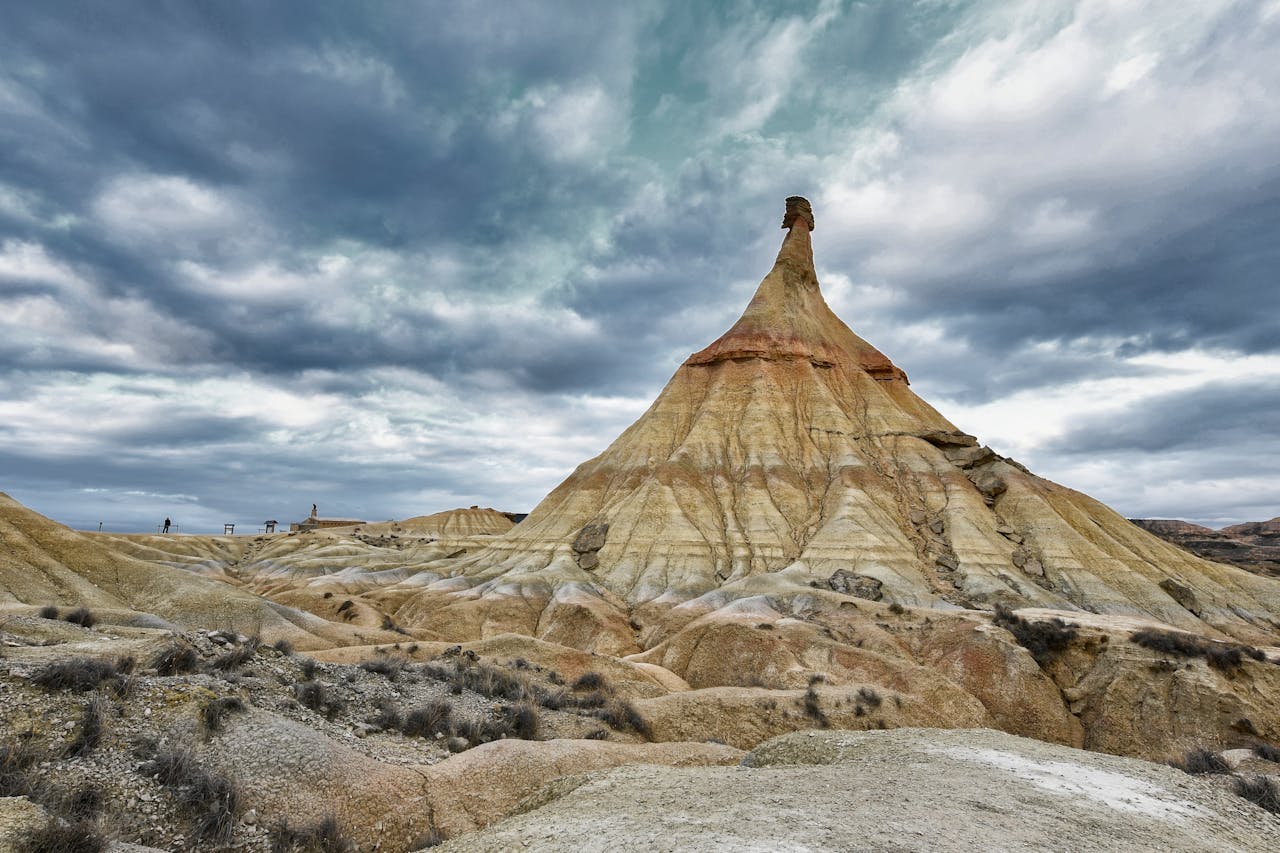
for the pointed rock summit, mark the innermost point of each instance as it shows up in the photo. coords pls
(788, 319)
(791, 453)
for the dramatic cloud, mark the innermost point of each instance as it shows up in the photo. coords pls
(396, 259)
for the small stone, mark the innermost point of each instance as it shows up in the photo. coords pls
(1019, 557)
(937, 526)
(948, 561)
(918, 516)
(250, 817)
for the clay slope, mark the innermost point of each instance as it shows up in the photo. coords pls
(45, 563)
(792, 449)
(448, 524)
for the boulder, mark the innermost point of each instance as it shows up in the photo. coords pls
(859, 586)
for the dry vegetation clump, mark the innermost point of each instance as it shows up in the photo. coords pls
(1198, 761)
(235, 658)
(214, 711)
(389, 624)
(325, 836)
(283, 646)
(80, 674)
(1045, 640)
(810, 702)
(89, 732)
(59, 836)
(388, 668)
(435, 717)
(317, 697)
(1259, 790)
(210, 800)
(17, 760)
(388, 717)
(72, 826)
(49, 611)
(1267, 752)
(1226, 657)
(81, 616)
(590, 681)
(621, 715)
(177, 658)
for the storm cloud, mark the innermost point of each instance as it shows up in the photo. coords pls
(399, 258)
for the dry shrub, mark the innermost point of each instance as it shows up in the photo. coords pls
(1045, 640)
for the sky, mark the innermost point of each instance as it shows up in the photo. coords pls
(401, 257)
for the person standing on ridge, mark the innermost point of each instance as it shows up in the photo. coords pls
(313, 510)
(166, 525)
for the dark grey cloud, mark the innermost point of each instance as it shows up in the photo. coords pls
(450, 250)
(1243, 415)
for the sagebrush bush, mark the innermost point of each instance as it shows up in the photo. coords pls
(389, 624)
(1222, 656)
(388, 718)
(49, 611)
(213, 712)
(869, 697)
(623, 715)
(209, 799)
(283, 646)
(594, 699)
(17, 779)
(89, 732)
(56, 836)
(213, 800)
(812, 707)
(1197, 761)
(426, 721)
(81, 616)
(236, 658)
(177, 658)
(76, 674)
(590, 681)
(82, 803)
(1267, 752)
(324, 836)
(170, 766)
(525, 722)
(317, 697)
(1259, 790)
(1045, 640)
(389, 669)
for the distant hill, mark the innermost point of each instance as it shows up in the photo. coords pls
(1253, 545)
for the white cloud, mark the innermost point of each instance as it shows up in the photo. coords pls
(170, 212)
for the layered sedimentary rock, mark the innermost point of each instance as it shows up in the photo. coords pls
(791, 450)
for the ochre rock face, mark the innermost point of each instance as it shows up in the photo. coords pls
(791, 449)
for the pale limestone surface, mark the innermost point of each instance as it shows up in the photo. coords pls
(907, 790)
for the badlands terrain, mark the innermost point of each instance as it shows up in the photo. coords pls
(791, 607)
